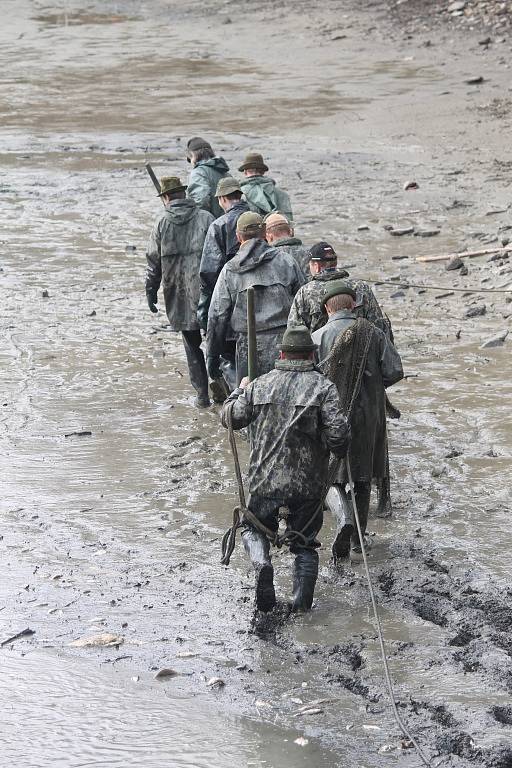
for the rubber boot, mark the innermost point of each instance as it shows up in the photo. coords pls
(305, 572)
(384, 507)
(337, 502)
(362, 493)
(257, 547)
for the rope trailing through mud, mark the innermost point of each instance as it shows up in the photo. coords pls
(403, 727)
(405, 284)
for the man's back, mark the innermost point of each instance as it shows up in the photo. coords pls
(294, 419)
(203, 180)
(264, 196)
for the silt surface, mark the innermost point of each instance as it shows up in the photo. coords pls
(115, 491)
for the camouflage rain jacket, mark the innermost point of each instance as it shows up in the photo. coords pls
(294, 246)
(295, 421)
(202, 183)
(219, 247)
(276, 277)
(368, 423)
(263, 196)
(173, 256)
(307, 306)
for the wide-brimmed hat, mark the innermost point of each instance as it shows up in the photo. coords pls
(254, 160)
(322, 251)
(338, 288)
(276, 219)
(249, 222)
(297, 338)
(227, 186)
(170, 184)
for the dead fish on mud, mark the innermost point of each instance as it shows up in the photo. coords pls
(103, 640)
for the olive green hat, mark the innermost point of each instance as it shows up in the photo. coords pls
(338, 288)
(170, 184)
(253, 160)
(226, 186)
(249, 222)
(297, 338)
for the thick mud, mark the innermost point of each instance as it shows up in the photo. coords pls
(115, 491)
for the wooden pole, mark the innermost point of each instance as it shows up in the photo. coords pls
(464, 254)
(252, 360)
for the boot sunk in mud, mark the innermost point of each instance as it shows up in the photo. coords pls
(257, 547)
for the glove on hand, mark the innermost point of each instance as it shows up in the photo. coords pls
(152, 297)
(213, 368)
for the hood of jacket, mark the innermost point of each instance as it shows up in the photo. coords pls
(252, 253)
(331, 274)
(286, 241)
(217, 163)
(181, 211)
(258, 181)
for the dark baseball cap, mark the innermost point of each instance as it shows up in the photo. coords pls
(322, 251)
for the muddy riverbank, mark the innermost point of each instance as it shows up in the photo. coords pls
(116, 491)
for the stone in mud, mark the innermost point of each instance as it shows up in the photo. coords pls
(45, 294)
(363, 228)
(454, 263)
(464, 271)
(401, 231)
(495, 341)
(411, 185)
(475, 80)
(397, 295)
(459, 5)
(477, 311)
(103, 640)
(216, 682)
(426, 232)
(166, 672)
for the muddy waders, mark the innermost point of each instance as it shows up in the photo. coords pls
(257, 547)
(305, 572)
(362, 491)
(341, 508)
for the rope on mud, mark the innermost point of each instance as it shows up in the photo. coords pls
(427, 287)
(403, 727)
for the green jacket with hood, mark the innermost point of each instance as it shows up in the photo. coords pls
(263, 196)
(173, 255)
(202, 183)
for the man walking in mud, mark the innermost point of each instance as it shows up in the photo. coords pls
(260, 191)
(362, 362)
(173, 256)
(294, 421)
(207, 170)
(276, 278)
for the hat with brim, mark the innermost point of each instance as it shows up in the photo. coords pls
(254, 160)
(338, 288)
(170, 184)
(322, 251)
(297, 338)
(227, 186)
(249, 222)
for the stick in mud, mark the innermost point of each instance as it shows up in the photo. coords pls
(24, 633)
(465, 254)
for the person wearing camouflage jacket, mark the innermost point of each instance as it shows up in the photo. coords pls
(207, 170)
(280, 234)
(276, 278)
(307, 308)
(294, 421)
(173, 257)
(260, 191)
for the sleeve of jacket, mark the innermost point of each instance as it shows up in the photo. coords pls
(284, 205)
(335, 427)
(212, 259)
(199, 188)
(390, 363)
(219, 315)
(154, 261)
(242, 412)
(297, 314)
(298, 279)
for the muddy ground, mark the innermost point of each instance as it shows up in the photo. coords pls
(117, 530)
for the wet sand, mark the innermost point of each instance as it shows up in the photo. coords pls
(119, 530)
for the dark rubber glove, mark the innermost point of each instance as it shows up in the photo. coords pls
(152, 297)
(213, 368)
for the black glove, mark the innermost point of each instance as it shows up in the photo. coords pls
(213, 368)
(152, 297)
